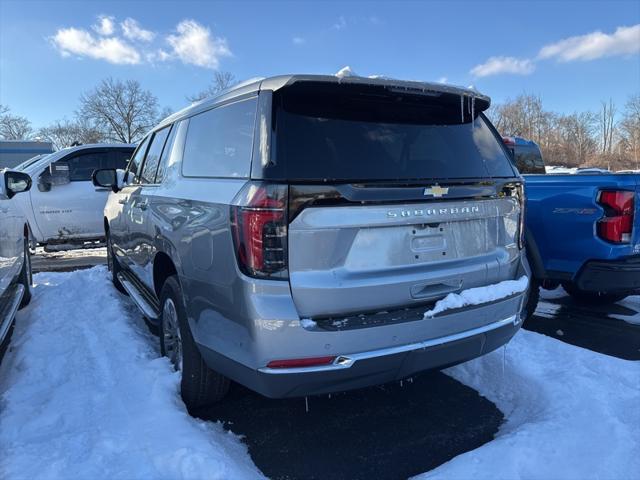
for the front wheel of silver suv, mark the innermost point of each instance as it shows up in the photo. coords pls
(199, 385)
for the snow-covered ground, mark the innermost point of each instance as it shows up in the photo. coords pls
(84, 394)
(570, 414)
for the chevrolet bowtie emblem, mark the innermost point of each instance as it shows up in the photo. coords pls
(436, 191)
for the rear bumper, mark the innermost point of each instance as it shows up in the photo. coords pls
(369, 368)
(610, 276)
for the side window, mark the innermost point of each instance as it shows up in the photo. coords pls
(136, 161)
(150, 167)
(219, 141)
(168, 149)
(82, 165)
(117, 159)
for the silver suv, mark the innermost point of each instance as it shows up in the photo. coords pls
(293, 234)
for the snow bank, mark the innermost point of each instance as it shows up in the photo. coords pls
(570, 414)
(85, 395)
(479, 295)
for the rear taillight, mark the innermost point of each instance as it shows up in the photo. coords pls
(517, 191)
(259, 228)
(617, 224)
(523, 203)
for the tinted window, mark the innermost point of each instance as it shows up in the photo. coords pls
(340, 134)
(168, 148)
(138, 156)
(118, 158)
(219, 141)
(528, 159)
(153, 156)
(82, 165)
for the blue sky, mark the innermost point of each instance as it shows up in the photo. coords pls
(52, 51)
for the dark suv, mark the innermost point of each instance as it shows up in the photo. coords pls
(308, 234)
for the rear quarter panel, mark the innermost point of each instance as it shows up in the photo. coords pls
(562, 212)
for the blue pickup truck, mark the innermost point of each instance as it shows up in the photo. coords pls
(582, 232)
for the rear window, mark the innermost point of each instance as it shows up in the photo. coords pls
(345, 134)
(528, 159)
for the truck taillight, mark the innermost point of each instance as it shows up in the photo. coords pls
(617, 224)
(259, 229)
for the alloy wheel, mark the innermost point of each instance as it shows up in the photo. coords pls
(171, 334)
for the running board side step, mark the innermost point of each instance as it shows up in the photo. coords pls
(14, 297)
(148, 306)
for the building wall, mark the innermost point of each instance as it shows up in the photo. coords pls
(14, 152)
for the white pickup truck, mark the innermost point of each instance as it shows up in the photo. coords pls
(64, 209)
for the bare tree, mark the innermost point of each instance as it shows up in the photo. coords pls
(523, 117)
(122, 110)
(221, 81)
(630, 129)
(13, 127)
(577, 138)
(164, 113)
(607, 125)
(64, 133)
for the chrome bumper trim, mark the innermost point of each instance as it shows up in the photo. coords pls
(346, 361)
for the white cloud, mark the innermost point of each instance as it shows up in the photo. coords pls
(340, 24)
(190, 43)
(497, 65)
(442, 80)
(133, 31)
(624, 41)
(105, 25)
(73, 41)
(298, 41)
(193, 44)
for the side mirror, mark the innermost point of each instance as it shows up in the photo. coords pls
(107, 178)
(15, 182)
(59, 173)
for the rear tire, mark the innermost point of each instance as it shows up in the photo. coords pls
(593, 298)
(200, 386)
(26, 276)
(531, 301)
(114, 266)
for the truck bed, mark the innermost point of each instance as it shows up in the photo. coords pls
(561, 218)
